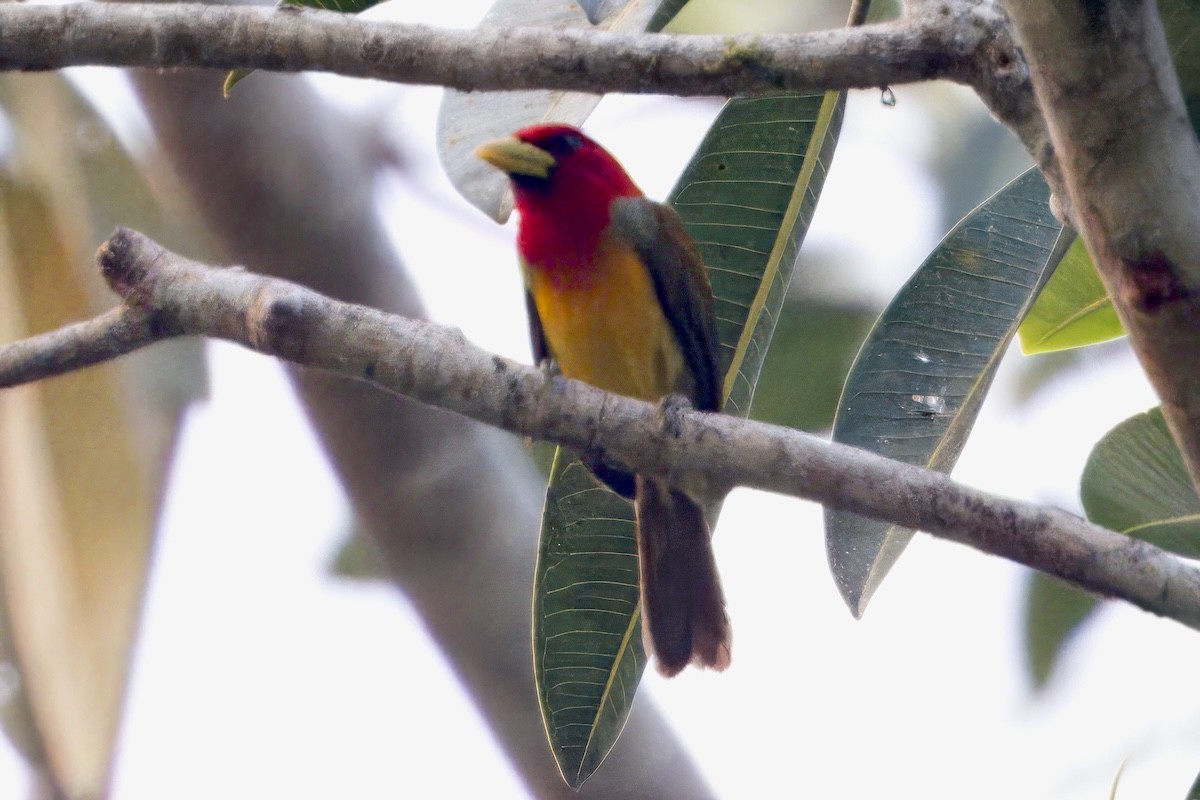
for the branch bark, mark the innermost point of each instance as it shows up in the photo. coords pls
(959, 40)
(171, 296)
(1130, 162)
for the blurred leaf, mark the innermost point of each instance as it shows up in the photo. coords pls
(357, 557)
(82, 457)
(466, 119)
(1135, 482)
(746, 198)
(1073, 310)
(1054, 610)
(75, 540)
(339, 6)
(1181, 20)
(813, 348)
(1194, 792)
(236, 76)
(921, 376)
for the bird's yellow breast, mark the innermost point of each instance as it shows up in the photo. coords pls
(606, 327)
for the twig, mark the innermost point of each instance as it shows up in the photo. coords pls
(83, 344)
(438, 366)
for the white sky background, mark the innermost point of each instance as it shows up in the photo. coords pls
(259, 675)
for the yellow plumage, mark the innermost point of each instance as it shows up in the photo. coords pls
(606, 327)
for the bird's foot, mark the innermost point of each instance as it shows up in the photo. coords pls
(670, 413)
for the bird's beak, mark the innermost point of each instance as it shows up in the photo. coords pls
(517, 158)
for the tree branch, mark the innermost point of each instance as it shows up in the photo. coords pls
(958, 40)
(1130, 162)
(438, 366)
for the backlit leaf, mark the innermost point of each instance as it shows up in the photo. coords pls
(1073, 310)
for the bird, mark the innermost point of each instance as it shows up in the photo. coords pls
(618, 297)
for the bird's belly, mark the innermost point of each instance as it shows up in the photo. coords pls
(610, 331)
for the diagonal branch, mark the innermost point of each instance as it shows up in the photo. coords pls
(958, 40)
(438, 366)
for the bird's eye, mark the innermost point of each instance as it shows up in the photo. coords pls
(563, 144)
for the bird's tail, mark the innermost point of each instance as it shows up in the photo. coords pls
(683, 607)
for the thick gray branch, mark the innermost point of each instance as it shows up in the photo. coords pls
(438, 366)
(960, 40)
(1130, 161)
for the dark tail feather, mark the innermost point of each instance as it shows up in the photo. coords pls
(683, 608)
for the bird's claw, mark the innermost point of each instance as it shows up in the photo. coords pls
(671, 409)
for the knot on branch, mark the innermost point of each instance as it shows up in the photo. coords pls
(276, 322)
(125, 260)
(1154, 281)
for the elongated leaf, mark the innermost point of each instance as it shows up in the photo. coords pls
(466, 119)
(1073, 310)
(916, 387)
(1135, 482)
(747, 198)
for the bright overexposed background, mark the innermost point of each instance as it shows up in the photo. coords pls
(259, 674)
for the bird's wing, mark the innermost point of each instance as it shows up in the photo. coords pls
(681, 284)
(537, 337)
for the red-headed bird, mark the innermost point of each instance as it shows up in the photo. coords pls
(618, 297)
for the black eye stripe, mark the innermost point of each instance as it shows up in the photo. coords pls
(562, 144)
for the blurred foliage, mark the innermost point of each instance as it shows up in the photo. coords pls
(813, 348)
(357, 557)
(1181, 19)
(1054, 612)
(83, 456)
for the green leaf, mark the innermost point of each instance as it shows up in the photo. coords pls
(747, 198)
(465, 119)
(236, 76)
(1135, 482)
(1073, 310)
(1194, 792)
(1054, 610)
(588, 655)
(918, 382)
(811, 352)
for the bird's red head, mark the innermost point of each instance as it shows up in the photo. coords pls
(580, 166)
(564, 185)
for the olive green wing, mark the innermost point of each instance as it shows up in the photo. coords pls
(681, 285)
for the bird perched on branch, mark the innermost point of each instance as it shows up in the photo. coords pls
(618, 297)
